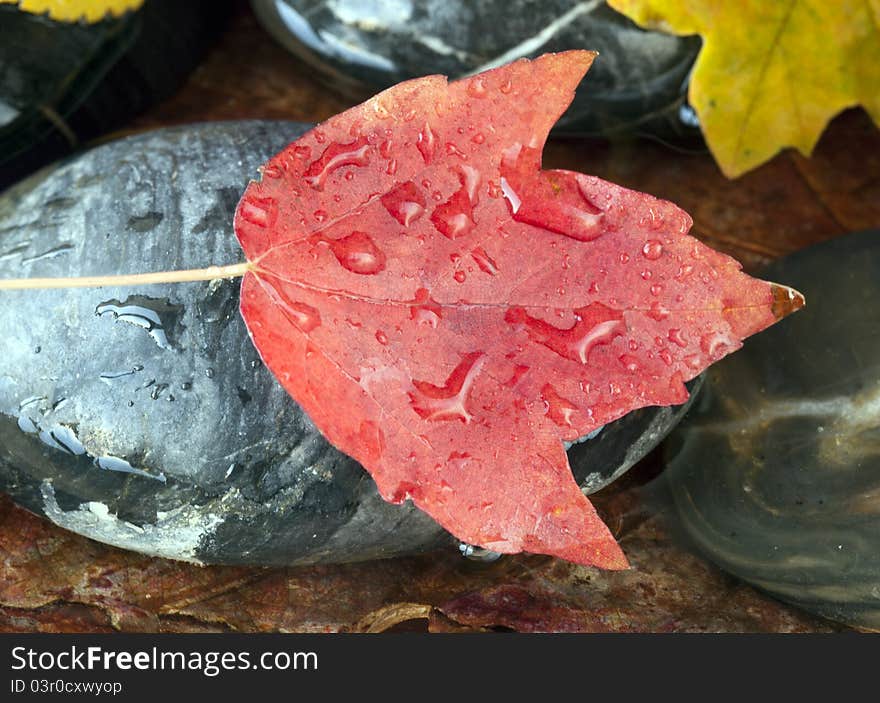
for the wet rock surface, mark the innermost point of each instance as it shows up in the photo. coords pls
(142, 416)
(776, 470)
(638, 83)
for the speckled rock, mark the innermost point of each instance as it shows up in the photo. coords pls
(639, 82)
(776, 470)
(142, 416)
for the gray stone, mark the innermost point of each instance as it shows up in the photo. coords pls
(776, 471)
(638, 83)
(142, 416)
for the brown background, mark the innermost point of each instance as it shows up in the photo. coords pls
(52, 580)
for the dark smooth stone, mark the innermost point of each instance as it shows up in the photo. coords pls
(62, 83)
(776, 470)
(637, 84)
(141, 416)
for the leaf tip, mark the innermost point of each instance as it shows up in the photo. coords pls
(572, 63)
(602, 554)
(785, 300)
(585, 57)
(609, 557)
(615, 561)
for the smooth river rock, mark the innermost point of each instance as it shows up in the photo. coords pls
(142, 416)
(637, 84)
(776, 470)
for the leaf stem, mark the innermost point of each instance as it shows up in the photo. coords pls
(205, 274)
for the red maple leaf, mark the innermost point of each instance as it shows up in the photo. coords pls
(448, 313)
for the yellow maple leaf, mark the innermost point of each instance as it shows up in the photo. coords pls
(772, 73)
(76, 10)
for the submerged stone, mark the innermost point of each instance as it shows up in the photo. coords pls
(776, 470)
(142, 416)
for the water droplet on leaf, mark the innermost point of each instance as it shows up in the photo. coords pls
(653, 249)
(358, 253)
